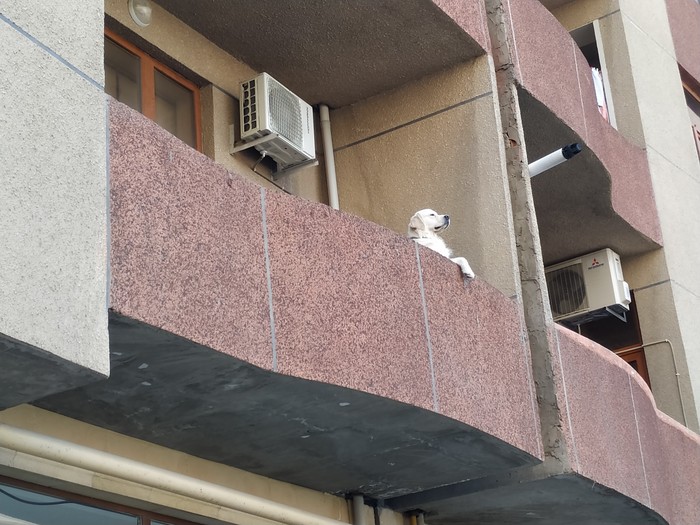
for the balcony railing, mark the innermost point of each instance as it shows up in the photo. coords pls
(279, 336)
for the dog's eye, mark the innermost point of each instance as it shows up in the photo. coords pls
(433, 214)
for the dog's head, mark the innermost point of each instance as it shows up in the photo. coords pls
(426, 223)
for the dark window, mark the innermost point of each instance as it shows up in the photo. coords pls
(141, 82)
(44, 506)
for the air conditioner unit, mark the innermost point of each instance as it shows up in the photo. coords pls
(278, 122)
(587, 288)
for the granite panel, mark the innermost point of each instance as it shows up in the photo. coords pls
(480, 357)
(603, 424)
(547, 58)
(622, 440)
(650, 427)
(347, 302)
(684, 19)
(470, 15)
(187, 241)
(556, 73)
(632, 193)
(681, 449)
(671, 455)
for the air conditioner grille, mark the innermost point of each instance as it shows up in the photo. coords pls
(250, 106)
(285, 113)
(567, 290)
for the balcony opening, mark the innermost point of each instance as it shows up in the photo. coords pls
(590, 43)
(623, 338)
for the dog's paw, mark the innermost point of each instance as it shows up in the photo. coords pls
(464, 265)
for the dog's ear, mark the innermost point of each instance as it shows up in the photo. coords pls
(416, 222)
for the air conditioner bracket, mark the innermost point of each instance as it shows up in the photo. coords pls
(235, 148)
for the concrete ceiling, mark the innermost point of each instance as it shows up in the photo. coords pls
(329, 51)
(564, 499)
(573, 200)
(175, 393)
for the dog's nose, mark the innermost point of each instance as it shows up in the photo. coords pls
(447, 220)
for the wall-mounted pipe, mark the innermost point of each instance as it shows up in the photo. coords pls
(329, 157)
(67, 453)
(675, 369)
(358, 510)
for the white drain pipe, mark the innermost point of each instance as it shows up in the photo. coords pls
(90, 459)
(329, 157)
(358, 510)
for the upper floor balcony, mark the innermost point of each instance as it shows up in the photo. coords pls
(603, 197)
(279, 336)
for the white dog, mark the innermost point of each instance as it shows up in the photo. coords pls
(423, 228)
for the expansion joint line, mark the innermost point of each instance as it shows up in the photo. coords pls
(538, 319)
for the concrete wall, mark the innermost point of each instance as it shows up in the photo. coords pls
(434, 143)
(675, 171)
(53, 220)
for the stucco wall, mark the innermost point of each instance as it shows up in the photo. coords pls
(434, 143)
(675, 172)
(53, 220)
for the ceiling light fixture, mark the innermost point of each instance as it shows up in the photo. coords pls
(141, 12)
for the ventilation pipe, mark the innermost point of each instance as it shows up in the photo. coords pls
(67, 453)
(330, 158)
(554, 159)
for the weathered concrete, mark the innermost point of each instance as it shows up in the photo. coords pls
(539, 325)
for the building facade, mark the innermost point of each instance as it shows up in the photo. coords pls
(190, 335)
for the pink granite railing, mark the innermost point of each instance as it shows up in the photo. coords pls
(298, 288)
(470, 15)
(552, 68)
(684, 18)
(618, 438)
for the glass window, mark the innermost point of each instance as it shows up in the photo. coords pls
(141, 82)
(122, 75)
(175, 108)
(41, 509)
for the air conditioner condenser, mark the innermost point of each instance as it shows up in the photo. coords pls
(279, 123)
(588, 287)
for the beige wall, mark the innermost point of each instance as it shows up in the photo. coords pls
(117, 490)
(434, 143)
(53, 217)
(675, 172)
(651, 112)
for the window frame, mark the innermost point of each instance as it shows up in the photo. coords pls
(148, 67)
(145, 516)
